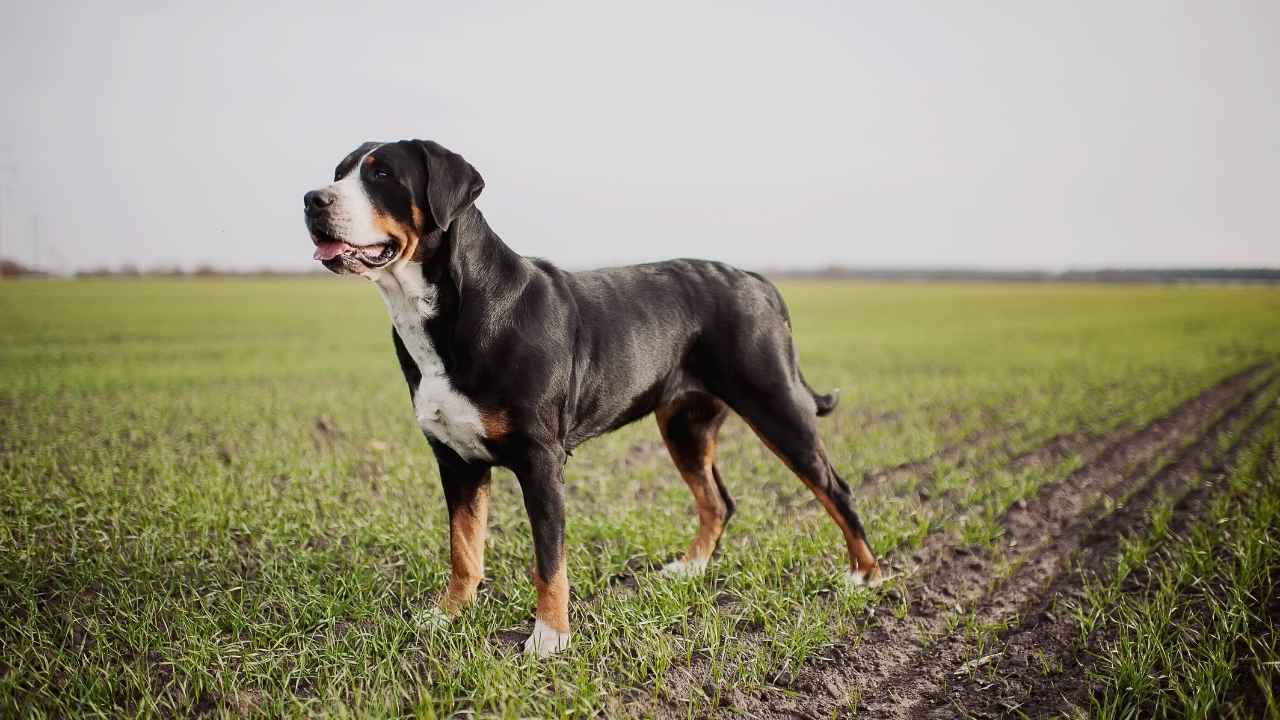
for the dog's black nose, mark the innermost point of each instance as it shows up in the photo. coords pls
(317, 200)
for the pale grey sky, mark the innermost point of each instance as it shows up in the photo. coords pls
(976, 134)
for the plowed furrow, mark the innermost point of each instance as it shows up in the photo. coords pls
(983, 440)
(1038, 532)
(889, 670)
(1038, 667)
(988, 450)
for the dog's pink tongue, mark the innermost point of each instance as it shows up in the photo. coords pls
(330, 249)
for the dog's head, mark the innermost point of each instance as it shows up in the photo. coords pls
(388, 203)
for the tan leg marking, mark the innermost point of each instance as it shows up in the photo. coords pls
(553, 599)
(695, 464)
(711, 513)
(551, 619)
(862, 563)
(468, 527)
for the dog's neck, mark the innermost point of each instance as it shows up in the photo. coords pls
(469, 264)
(411, 301)
(476, 261)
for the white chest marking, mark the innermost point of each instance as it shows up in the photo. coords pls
(444, 414)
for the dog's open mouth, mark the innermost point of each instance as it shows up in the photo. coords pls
(375, 255)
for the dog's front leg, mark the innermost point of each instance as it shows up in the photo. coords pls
(541, 481)
(466, 492)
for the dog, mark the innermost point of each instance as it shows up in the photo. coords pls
(513, 362)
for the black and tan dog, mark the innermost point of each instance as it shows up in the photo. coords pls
(511, 361)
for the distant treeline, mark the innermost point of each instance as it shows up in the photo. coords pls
(199, 271)
(10, 268)
(1188, 275)
(14, 269)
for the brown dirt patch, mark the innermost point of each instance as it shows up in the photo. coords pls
(1040, 668)
(903, 661)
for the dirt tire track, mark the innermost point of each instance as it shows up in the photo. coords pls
(882, 673)
(1046, 526)
(690, 677)
(687, 679)
(1054, 450)
(1048, 636)
(929, 464)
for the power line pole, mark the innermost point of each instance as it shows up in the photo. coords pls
(7, 170)
(35, 242)
(4, 192)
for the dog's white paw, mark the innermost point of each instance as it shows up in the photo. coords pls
(431, 618)
(858, 578)
(545, 640)
(682, 568)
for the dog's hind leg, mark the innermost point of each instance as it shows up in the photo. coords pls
(689, 425)
(786, 420)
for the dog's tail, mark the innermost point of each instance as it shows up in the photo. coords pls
(826, 403)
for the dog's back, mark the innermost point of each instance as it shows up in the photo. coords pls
(661, 329)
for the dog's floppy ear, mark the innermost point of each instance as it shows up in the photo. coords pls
(452, 184)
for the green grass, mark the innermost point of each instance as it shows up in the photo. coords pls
(214, 498)
(1191, 622)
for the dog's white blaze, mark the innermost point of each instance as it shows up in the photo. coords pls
(351, 216)
(443, 413)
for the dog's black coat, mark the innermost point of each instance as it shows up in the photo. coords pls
(562, 357)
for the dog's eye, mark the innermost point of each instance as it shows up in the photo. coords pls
(381, 173)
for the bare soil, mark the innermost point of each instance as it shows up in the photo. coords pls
(926, 663)
(1040, 668)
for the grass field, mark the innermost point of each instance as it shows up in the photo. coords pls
(214, 500)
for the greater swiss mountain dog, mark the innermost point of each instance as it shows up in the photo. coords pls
(512, 361)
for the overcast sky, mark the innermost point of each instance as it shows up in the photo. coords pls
(974, 134)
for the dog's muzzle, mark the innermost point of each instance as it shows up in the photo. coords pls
(336, 254)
